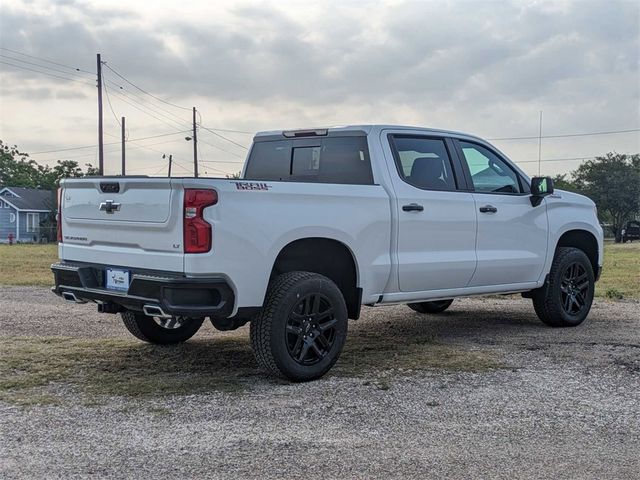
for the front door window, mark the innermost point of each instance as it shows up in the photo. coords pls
(489, 173)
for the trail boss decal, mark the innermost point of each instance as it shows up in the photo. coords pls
(252, 186)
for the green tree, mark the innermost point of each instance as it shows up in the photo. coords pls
(563, 182)
(613, 183)
(18, 170)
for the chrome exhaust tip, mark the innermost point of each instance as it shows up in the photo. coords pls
(71, 297)
(154, 311)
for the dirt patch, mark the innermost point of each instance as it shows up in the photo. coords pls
(32, 369)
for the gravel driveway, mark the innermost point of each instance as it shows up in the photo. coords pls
(550, 403)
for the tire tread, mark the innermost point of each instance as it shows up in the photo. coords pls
(130, 321)
(546, 306)
(261, 326)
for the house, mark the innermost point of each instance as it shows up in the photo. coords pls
(23, 211)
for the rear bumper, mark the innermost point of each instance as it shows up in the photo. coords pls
(173, 293)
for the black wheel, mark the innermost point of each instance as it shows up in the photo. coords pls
(302, 327)
(431, 307)
(566, 299)
(163, 331)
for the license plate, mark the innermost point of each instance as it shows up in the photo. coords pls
(117, 279)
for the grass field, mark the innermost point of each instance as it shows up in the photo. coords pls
(29, 265)
(621, 274)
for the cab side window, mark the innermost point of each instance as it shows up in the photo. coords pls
(424, 162)
(489, 173)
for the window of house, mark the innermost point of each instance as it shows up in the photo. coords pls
(33, 222)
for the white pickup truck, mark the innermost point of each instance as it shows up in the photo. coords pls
(322, 222)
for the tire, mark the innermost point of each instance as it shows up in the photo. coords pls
(295, 336)
(566, 298)
(149, 329)
(431, 307)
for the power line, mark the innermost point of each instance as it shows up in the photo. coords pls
(218, 170)
(232, 131)
(240, 162)
(106, 91)
(46, 73)
(39, 66)
(222, 136)
(211, 130)
(137, 169)
(145, 108)
(220, 148)
(556, 160)
(125, 94)
(152, 107)
(135, 147)
(181, 166)
(48, 61)
(109, 143)
(90, 154)
(568, 135)
(144, 91)
(158, 170)
(145, 101)
(127, 101)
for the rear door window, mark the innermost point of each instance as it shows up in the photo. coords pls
(343, 160)
(424, 162)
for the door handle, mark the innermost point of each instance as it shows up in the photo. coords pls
(412, 207)
(488, 209)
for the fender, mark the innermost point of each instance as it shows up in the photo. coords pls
(567, 212)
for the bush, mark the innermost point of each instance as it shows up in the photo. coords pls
(614, 294)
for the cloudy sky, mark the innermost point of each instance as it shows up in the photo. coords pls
(484, 67)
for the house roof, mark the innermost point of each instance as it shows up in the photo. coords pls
(30, 198)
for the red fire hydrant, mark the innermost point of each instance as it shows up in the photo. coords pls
(10, 238)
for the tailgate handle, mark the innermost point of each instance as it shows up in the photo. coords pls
(109, 187)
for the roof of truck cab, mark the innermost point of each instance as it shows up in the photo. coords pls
(364, 129)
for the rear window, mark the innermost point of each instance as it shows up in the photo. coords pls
(327, 160)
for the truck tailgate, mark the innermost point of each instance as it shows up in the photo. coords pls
(131, 221)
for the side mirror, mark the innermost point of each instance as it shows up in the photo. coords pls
(540, 187)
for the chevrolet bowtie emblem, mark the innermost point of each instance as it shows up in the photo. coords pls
(109, 206)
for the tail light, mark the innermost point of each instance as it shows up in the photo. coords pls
(197, 232)
(59, 216)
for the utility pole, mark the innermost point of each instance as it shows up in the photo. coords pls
(170, 160)
(540, 144)
(123, 150)
(100, 139)
(195, 145)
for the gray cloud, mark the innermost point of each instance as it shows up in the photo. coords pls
(484, 66)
